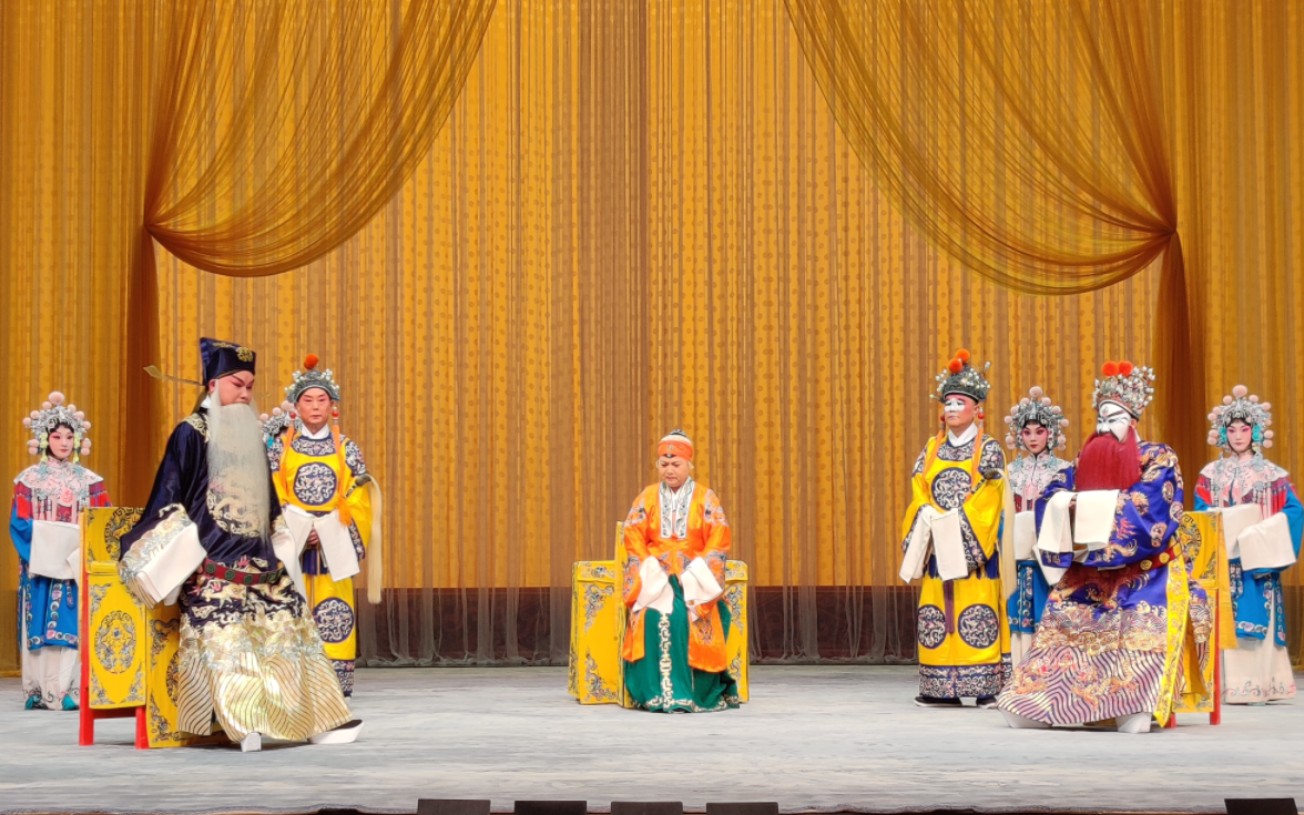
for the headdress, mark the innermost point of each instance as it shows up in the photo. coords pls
(1245, 406)
(1036, 408)
(52, 414)
(676, 444)
(310, 378)
(960, 377)
(1129, 386)
(218, 358)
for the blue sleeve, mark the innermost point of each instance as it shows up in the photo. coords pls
(20, 532)
(1294, 517)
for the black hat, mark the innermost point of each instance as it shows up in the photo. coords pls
(219, 358)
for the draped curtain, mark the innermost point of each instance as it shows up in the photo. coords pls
(955, 104)
(637, 217)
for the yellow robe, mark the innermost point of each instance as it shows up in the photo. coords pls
(962, 630)
(318, 476)
(708, 537)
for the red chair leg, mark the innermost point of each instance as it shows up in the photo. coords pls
(142, 729)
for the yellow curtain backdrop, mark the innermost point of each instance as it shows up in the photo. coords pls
(955, 103)
(636, 217)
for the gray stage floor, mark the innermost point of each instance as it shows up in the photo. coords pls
(813, 738)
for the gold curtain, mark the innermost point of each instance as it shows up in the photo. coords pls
(589, 258)
(636, 217)
(278, 130)
(955, 103)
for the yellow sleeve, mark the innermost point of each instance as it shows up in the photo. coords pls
(719, 537)
(358, 499)
(919, 493)
(636, 525)
(980, 515)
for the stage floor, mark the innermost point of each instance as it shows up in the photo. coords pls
(813, 738)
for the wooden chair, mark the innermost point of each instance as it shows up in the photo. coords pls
(597, 673)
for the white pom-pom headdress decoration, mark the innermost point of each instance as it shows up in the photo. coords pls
(1245, 406)
(52, 414)
(1036, 408)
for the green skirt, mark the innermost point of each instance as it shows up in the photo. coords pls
(663, 681)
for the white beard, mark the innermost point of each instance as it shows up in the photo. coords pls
(238, 481)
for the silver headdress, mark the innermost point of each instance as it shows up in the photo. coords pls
(52, 414)
(1036, 408)
(310, 378)
(962, 378)
(1245, 406)
(1126, 385)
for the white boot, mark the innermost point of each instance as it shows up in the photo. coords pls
(346, 733)
(1022, 722)
(1134, 723)
(251, 743)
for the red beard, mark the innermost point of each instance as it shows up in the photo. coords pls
(1106, 463)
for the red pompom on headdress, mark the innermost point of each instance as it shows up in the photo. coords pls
(956, 366)
(962, 355)
(1125, 368)
(310, 361)
(1109, 368)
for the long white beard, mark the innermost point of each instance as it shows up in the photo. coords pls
(238, 481)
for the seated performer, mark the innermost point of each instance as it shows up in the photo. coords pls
(676, 541)
(249, 654)
(1258, 669)
(958, 492)
(1036, 428)
(48, 499)
(324, 489)
(1109, 642)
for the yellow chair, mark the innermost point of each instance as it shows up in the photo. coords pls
(1205, 549)
(127, 651)
(597, 673)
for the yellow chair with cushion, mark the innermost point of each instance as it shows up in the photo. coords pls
(598, 627)
(127, 651)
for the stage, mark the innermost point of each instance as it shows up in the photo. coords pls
(813, 738)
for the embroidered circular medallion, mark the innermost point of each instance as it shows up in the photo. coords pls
(334, 619)
(932, 627)
(314, 484)
(978, 626)
(950, 486)
(115, 641)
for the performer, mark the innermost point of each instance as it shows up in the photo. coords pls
(1109, 644)
(1036, 431)
(676, 542)
(322, 483)
(249, 654)
(1257, 670)
(958, 491)
(48, 499)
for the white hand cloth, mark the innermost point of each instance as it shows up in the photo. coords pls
(1093, 524)
(948, 545)
(1025, 535)
(1267, 544)
(55, 545)
(336, 543)
(699, 585)
(656, 593)
(1236, 520)
(1056, 535)
(918, 545)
